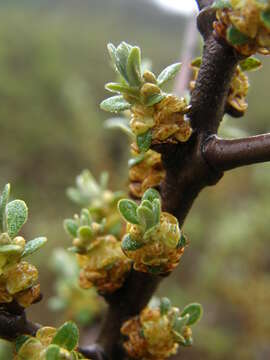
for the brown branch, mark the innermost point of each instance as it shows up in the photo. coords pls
(13, 322)
(187, 172)
(225, 155)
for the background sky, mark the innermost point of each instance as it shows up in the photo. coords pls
(182, 6)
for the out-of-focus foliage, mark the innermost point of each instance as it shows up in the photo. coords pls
(53, 68)
(82, 306)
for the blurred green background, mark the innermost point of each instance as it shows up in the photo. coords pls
(53, 66)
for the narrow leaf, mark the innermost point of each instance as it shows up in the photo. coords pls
(156, 210)
(165, 306)
(16, 216)
(115, 104)
(221, 4)
(144, 141)
(154, 99)
(3, 202)
(71, 227)
(127, 209)
(235, 37)
(168, 73)
(121, 124)
(146, 217)
(195, 312)
(122, 88)
(10, 249)
(34, 245)
(122, 53)
(151, 195)
(67, 336)
(250, 64)
(180, 322)
(128, 244)
(134, 67)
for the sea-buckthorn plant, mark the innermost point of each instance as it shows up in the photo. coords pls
(18, 278)
(176, 153)
(157, 332)
(155, 116)
(50, 344)
(99, 200)
(102, 262)
(245, 24)
(153, 238)
(236, 100)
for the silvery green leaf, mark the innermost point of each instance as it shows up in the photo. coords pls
(122, 89)
(154, 99)
(165, 306)
(33, 245)
(250, 64)
(222, 4)
(128, 209)
(146, 217)
(119, 123)
(195, 312)
(147, 204)
(86, 218)
(115, 104)
(71, 227)
(10, 249)
(144, 141)
(122, 53)
(168, 73)
(135, 161)
(134, 67)
(128, 244)
(85, 233)
(3, 202)
(151, 195)
(180, 322)
(235, 37)
(16, 216)
(104, 179)
(156, 205)
(67, 336)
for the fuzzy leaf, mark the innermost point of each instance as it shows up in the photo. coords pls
(119, 123)
(195, 312)
(180, 322)
(265, 16)
(154, 99)
(134, 67)
(3, 202)
(165, 306)
(235, 37)
(156, 210)
(34, 245)
(144, 141)
(250, 64)
(10, 249)
(151, 195)
(16, 216)
(122, 88)
(135, 161)
(67, 336)
(147, 204)
(146, 217)
(122, 53)
(128, 209)
(71, 227)
(168, 73)
(128, 244)
(53, 352)
(115, 104)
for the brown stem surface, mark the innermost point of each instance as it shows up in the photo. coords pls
(223, 155)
